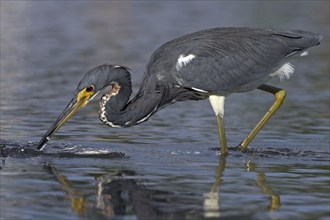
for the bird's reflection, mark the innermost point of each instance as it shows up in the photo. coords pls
(274, 198)
(77, 200)
(212, 198)
(117, 195)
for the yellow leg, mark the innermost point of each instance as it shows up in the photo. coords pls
(218, 103)
(279, 99)
(222, 135)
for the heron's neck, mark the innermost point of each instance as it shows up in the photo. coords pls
(117, 111)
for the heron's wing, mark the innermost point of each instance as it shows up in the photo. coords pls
(227, 59)
(232, 66)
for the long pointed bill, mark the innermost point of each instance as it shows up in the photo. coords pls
(74, 105)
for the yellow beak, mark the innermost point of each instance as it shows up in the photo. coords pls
(74, 105)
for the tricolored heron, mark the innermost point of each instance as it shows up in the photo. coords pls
(211, 64)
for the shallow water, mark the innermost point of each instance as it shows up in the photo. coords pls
(168, 167)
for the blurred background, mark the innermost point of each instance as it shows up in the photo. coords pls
(47, 46)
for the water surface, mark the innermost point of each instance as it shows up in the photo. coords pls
(168, 167)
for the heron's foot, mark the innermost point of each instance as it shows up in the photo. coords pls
(242, 147)
(223, 146)
(224, 151)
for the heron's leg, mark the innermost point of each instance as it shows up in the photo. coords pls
(279, 99)
(222, 135)
(217, 103)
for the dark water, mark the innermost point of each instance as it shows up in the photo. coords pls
(168, 167)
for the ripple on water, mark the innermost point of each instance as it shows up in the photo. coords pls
(20, 149)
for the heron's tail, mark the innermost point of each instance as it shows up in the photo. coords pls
(298, 41)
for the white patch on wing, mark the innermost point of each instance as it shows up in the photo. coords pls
(144, 119)
(184, 60)
(198, 90)
(284, 72)
(218, 103)
(159, 76)
(147, 117)
(305, 53)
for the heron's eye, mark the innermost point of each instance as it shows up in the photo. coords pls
(89, 88)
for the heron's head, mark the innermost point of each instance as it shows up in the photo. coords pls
(89, 86)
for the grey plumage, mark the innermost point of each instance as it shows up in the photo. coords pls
(228, 59)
